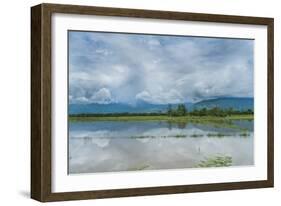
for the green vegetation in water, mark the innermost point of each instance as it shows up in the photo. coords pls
(217, 161)
(218, 135)
(187, 118)
(210, 135)
(180, 136)
(244, 134)
(140, 167)
(163, 136)
(141, 137)
(196, 135)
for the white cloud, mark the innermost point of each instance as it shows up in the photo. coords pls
(101, 96)
(158, 69)
(80, 100)
(169, 97)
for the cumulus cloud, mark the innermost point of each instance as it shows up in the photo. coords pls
(102, 96)
(157, 69)
(169, 97)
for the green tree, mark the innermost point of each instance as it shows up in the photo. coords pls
(203, 112)
(181, 110)
(169, 110)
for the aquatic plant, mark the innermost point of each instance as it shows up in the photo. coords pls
(139, 167)
(142, 137)
(217, 135)
(196, 135)
(244, 134)
(217, 161)
(180, 135)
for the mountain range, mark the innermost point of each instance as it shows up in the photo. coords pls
(237, 103)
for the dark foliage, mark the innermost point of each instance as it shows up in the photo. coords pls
(180, 110)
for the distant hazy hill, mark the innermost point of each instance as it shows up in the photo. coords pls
(143, 107)
(116, 108)
(227, 102)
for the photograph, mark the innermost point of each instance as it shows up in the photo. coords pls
(132, 102)
(139, 102)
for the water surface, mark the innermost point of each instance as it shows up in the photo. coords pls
(109, 146)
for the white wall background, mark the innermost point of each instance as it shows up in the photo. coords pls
(15, 102)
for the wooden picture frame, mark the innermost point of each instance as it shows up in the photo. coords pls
(41, 116)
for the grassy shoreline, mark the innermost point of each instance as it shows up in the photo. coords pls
(163, 118)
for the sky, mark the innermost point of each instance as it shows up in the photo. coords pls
(158, 69)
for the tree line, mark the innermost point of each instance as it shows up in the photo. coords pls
(216, 111)
(179, 110)
(126, 114)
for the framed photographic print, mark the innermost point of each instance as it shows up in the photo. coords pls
(130, 102)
